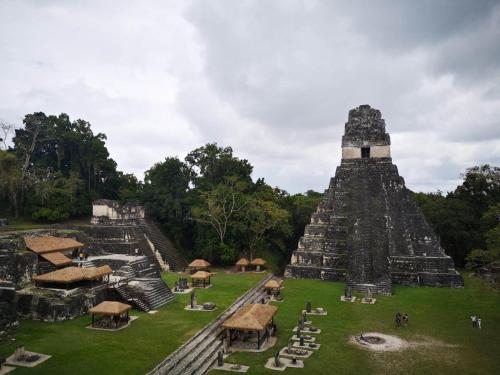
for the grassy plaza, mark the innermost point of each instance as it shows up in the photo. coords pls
(439, 322)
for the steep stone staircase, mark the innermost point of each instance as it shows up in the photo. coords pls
(146, 293)
(163, 245)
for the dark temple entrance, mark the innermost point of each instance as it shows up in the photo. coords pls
(365, 152)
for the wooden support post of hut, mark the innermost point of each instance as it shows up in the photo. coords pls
(251, 326)
(258, 263)
(272, 286)
(242, 264)
(201, 279)
(116, 313)
(198, 265)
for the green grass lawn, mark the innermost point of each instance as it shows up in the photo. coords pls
(438, 314)
(441, 315)
(134, 350)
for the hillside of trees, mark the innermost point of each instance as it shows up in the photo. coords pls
(208, 203)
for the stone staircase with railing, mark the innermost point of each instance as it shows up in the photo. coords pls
(163, 245)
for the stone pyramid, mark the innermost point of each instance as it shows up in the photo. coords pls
(368, 230)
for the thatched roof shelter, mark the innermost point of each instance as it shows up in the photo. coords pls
(57, 259)
(110, 308)
(258, 262)
(273, 284)
(51, 244)
(201, 275)
(73, 274)
(251, 317)
(243, 262)
(199, 263)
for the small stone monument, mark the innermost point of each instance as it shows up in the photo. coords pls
(220, 359)
(193, 300)
(301, 324)
(308, 307)
(368, 297)
(277, 362)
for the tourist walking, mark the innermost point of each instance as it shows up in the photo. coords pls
(405, 319)
(473, 320)
(398, 320)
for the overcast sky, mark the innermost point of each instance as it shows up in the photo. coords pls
(273, 79)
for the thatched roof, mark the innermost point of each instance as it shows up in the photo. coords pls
(201, 275)
(51, 244)
(57, 259)
(251, 317)
(258, 262)
(273, 284)
(199, 263)
(110, 308)
(243, 262)
(73, 274)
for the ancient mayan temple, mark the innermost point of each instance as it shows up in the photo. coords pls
(368, 230)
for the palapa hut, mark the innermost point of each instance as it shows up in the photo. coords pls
(198, 265)
(250, 326)
(201, 279)
(72, 277)
(54, 250)
(273, 286)
(112, 314)
(242, 263)
(258, 263)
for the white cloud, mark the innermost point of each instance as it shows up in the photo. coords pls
(273, 79)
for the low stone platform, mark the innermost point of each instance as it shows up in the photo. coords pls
(297, 345)
(198, 308)
(307, 329)
(185, 291)
(314, 312)
(269, 343)
(286, 362)
(284, 353)
(42, 358)
(369, 301)
(6, 369)
(231, 367)
(344, 299)
(311, 339)
(132, 318)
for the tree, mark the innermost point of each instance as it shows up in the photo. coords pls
(6, 130)
(220, 204)
(259, 218)
(10, 180)
(212, 164)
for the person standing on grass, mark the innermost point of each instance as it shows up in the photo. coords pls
(479, 322)
(405, 319)
(473, 320)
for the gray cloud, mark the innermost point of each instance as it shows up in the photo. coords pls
(274, 79)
